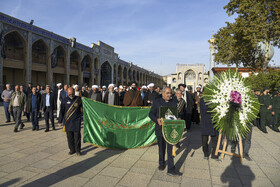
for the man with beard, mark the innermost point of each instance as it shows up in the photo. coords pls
(189, 105)
(122, 93)
(111, 97)
(151, 95)
(71, 116)
(133, 97)
(103, 91)
(95, 95)
(166, 101)
(143, 91)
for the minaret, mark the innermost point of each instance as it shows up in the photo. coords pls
(212, 51)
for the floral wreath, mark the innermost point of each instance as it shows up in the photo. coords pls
(232, 103)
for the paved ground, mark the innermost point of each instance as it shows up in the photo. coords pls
(40, 159)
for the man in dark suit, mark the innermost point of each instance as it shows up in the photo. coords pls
(189, 105)
(63, 93)
(150, 95)
(71, 116)
(95, 94)
(111, 97)
(48, 106)
(166, 100)
(33, 106)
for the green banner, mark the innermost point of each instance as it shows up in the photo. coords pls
(173, 130)
(116, 126)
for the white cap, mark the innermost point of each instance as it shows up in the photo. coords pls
(115, 88)
(186, 89)
(103, 86)
(121, 87)
(75, 86)
(94, 86)
(198, 86)
(111, 85)
(151, 85)
(144, 87)
(58, 84)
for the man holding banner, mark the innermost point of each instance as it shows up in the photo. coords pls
(71, 116)
(165, 101)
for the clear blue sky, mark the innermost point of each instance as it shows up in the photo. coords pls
(154, 34)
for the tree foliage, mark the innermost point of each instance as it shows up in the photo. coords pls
(270, 79)
(256, 21)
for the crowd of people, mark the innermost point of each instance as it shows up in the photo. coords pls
(65, 102)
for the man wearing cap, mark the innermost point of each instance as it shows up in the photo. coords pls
(58, 102)
(276, 110)
(103, 92)
(143, 91)
(84, 93)
(133, 96)
(48, 106)
(265, 110)
(122, 91)
(77, 91)
(151, 95)
(95, 94)
(197, 95)
(111, 97)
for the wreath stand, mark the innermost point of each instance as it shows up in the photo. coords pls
(224, 152)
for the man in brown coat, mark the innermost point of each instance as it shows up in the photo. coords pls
(133, 97)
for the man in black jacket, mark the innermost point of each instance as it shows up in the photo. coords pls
(189, 105)
(63, 93)
(166, 100)
(71, 116)
(33, 107)
(150, 95)
(48, 106)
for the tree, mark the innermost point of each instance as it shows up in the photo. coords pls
(257, 21)
(270, 79)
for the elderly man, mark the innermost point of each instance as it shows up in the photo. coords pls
(111, 97)
(6, 96)
(95, 95)
(17, 103)
(58, 102)
(133, 97)
(150, 95)
(143, 91)
(197, 95)
(166, 100)
(33, 107)
(84, 93)
(103, 91)
(71, 116)
(77, 90)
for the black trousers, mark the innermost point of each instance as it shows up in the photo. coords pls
(161, 151)
(74, 141)
(49, 115)
(205, 145)
(188, 120)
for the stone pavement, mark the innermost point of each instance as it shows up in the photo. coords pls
(36, 158)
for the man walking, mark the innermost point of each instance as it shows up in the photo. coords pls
(33, 107)
(48, 106)
(17, 103)
(6, 97)
(71, 116)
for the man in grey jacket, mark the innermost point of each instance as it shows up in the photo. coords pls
(6, 96)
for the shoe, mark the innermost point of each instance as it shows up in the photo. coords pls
(54, 129)
(22, 125)
(247, 157)
(214, 156)
(71, 153)
(178, 146)
(174, 173)
(265, 131)
(47, 130)
(206, 158)
(78, 154)
(276, 129)
(37, 128)
(161, 167)
(15, 130)
(33, 129)
(7, 121)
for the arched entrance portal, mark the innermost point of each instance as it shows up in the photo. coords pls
(14, 64)
(106, 74)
